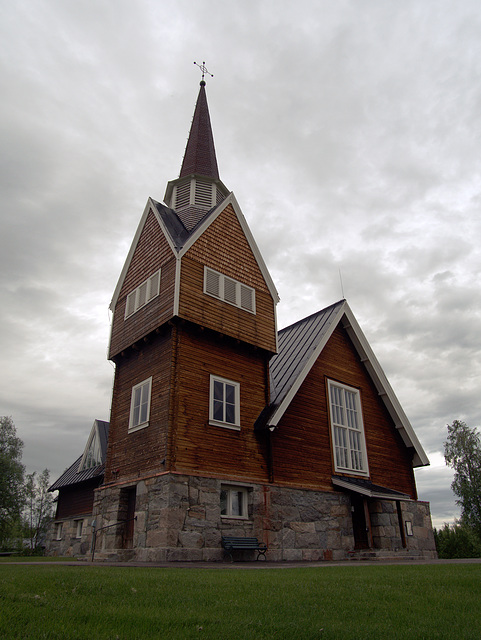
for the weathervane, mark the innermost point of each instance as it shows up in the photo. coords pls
(204, 70)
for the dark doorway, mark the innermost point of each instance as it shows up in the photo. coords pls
(360, 522)
(127, 514)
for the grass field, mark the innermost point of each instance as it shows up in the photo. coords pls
(351, 602)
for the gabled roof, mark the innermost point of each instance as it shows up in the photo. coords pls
(367, 488)
(300, 345)
(180, 239)
(72, 475)
(199, 156)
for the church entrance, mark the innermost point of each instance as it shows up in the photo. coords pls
(127, 514)
(360, 522)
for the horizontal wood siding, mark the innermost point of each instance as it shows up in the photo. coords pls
(140, 452)
(152, 252)
(302, 442)
(76, 500)
(223, 247)
(204, 448)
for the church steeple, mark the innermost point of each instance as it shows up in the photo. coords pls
(198, 188)
(199, 157)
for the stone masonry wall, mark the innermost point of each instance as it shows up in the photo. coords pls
(178, 519)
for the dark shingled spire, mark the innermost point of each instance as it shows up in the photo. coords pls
(199, 157)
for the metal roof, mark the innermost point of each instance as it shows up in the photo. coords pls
(297, 343)
(72, 475)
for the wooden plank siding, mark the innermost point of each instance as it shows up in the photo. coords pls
(302, 442)
(224, 247)
(152, 252)
(77, 499)
(140, 452)
(209, 449)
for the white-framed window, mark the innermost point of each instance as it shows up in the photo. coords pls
(347, 429)
(144, 293)
(78, 528)
(140, 405)
(229, 290)
(224, 405)
(233, 502)
(58, 530)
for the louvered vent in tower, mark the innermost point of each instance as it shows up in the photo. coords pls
(203, 194)
(182, 198)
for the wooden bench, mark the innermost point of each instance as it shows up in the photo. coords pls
(232, 543)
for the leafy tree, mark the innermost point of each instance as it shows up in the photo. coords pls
(462, 452)
(11, 479)
(38, 507)
(457, 541)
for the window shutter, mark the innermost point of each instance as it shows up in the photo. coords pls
(130, 308)
(142, 295)
(212, 283)
(230, 290)
(247, 298)
(154, 286)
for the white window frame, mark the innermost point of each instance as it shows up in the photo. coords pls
(143, 294)
(92, 456)
(213, 403)
(222, 287)
(136, 423)
(347, 429)
(78, 528)
(58, 530)
(232, 499)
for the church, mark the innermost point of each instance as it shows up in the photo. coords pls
(220, 424)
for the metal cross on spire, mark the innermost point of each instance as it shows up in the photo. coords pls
(204, 70)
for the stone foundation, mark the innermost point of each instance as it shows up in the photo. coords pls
(67, 542)
(179, 519)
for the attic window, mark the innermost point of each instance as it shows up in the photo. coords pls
(347, 429)
(229, 290)
(93, 453)
(144, 293)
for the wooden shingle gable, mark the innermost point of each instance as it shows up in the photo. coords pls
(301, 344)
(211, 217)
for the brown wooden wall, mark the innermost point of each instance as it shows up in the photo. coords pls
(152, 252)
(204, 448)
(76, 500)
(302, 442)
(223, 247)
(140, 452)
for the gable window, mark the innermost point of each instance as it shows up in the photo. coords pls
(93, 454)
(229, 290)
(144, 293)
(140, 405)
(224, 406)
(347, 429)
(233, 502)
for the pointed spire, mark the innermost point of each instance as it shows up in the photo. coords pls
(199, 157)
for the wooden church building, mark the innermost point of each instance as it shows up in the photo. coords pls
(221, 425)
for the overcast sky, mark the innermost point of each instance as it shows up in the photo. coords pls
(350, 133)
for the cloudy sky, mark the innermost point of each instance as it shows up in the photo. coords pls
(350, 133)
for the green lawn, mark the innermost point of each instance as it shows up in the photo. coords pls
(355, 602)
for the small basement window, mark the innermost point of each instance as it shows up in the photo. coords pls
(233, 502)
(78, 528)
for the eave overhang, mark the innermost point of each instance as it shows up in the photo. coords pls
(368, 489)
